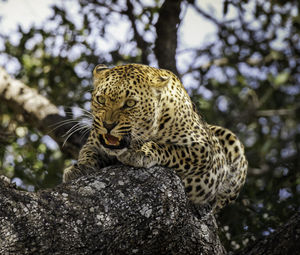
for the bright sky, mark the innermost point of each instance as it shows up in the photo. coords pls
(194, 31)
(194, 28)
(25, 12)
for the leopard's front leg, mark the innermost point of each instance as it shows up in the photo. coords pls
(192, 165)
(147, 155)
(91, 158)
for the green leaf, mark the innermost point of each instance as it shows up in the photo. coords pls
(281, 78)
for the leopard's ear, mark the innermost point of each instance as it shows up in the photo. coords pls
(98, 73)
(158, 83)
(161, 81)
(98, 69)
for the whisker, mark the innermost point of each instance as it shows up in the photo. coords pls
(80, 109)
(86, 111)
(76, 130)
(84, 133)
(62, 123)
(72, 128)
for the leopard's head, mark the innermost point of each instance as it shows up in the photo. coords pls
(126, 104)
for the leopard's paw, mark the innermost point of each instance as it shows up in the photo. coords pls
(137, 159)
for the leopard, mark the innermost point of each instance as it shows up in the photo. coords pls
(143, 116)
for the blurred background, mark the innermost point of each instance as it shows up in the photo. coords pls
(238, 59)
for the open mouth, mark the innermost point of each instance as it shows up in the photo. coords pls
(112, 142)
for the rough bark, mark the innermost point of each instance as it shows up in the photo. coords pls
(38, 112)
(284, 241)
(118, 210)
(166, 30)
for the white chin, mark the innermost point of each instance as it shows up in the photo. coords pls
(114, 152)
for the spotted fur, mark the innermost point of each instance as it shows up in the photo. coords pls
(144, 117)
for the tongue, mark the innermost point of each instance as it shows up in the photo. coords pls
(112, 140)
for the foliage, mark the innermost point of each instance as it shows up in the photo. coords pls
(255, 92)
(246, 79)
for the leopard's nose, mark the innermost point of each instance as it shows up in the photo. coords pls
(110, 126)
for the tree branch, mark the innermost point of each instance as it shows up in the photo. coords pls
(141, 43)
(273, 112)
(38, 111)
(204, 14)
(284, 241)
(166, 30)
(118, 210)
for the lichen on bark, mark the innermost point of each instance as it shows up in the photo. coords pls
(117, 210)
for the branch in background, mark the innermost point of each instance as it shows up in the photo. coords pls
(38, 112)
(270, 113)
(205, 15)
(141, 43)
(5, 137)
(166, 30)
(284, 241)
(223, 62)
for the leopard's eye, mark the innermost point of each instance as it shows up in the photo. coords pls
(130, 103)
(100, 99)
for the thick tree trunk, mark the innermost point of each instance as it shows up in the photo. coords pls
(166, 30)
(119, 210)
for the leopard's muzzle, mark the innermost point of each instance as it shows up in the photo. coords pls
(111, 142)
